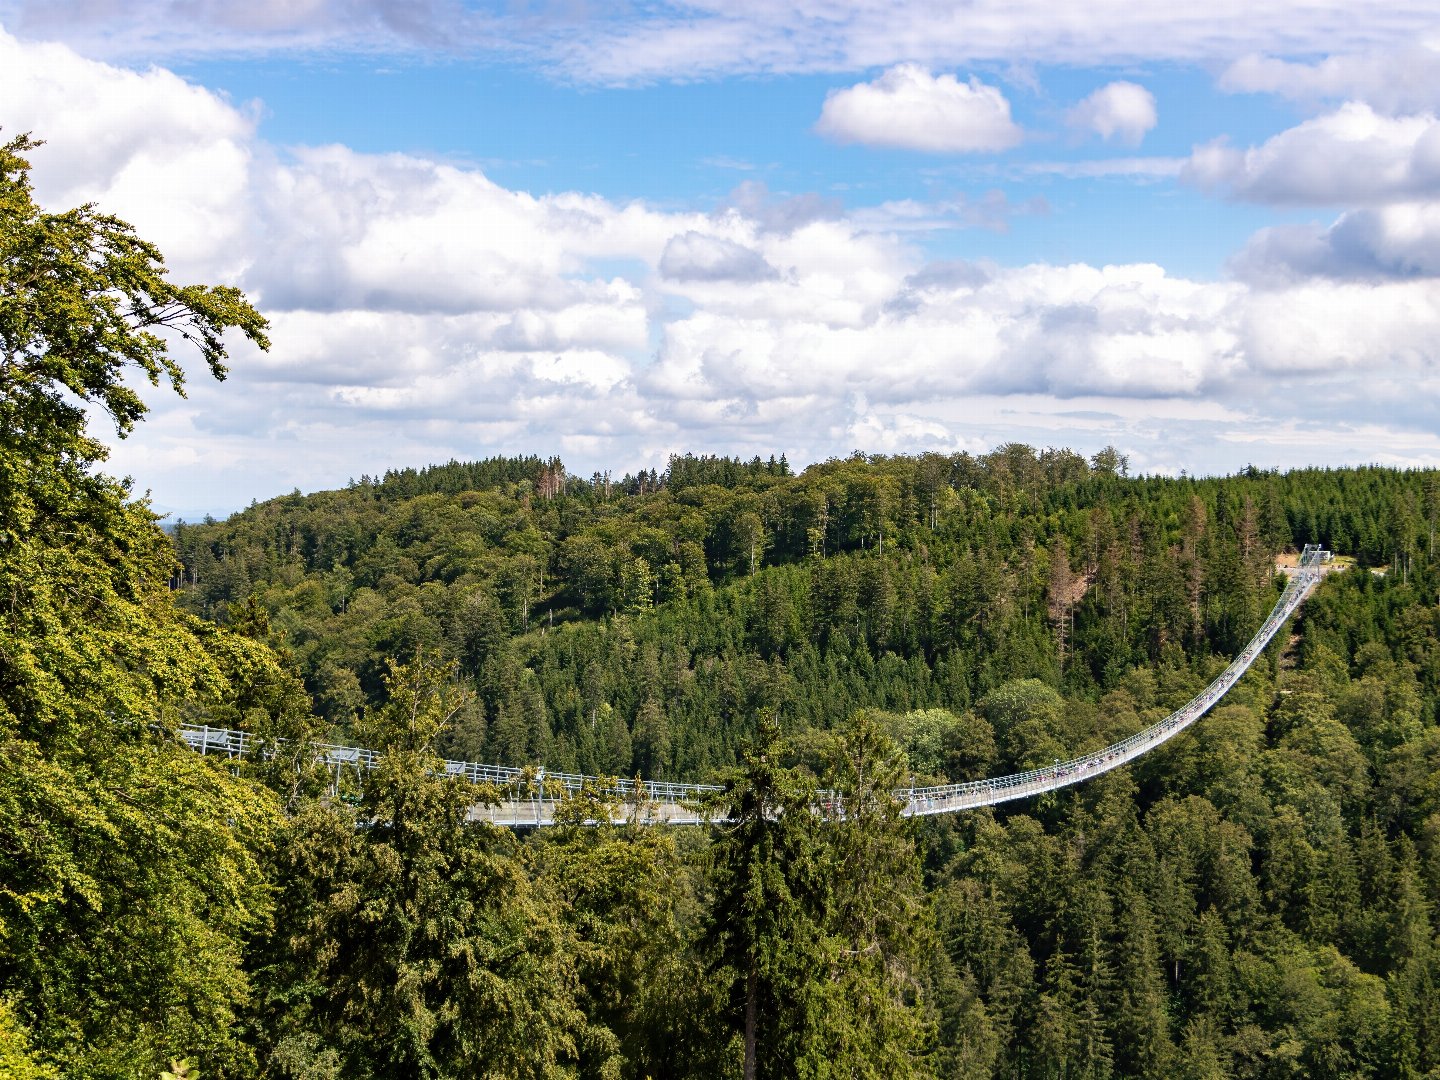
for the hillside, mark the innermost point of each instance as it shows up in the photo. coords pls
(640, 626)
(1254, 900)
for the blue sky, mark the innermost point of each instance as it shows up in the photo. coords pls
(622, 231)
(689, 145)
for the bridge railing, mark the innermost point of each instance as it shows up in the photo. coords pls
(946, 798)
(520, 782)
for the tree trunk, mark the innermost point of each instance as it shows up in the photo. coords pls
(751, 993)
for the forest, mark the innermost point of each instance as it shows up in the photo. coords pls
(1255, 899)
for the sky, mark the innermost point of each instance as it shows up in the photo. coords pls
(1208, 235)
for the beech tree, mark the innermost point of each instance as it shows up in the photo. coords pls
(129, 876)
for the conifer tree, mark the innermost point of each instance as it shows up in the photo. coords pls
(877, 918)
(410, 942)
(767, 925)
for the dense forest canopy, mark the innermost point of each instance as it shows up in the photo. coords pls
(641, 625)
(1256, 899)
(1234, 905)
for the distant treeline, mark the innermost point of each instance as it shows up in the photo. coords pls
(547, 476)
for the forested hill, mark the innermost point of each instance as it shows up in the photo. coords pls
(1255, 900)
(639, 625)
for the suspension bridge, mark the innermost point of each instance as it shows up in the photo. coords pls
(531, 796)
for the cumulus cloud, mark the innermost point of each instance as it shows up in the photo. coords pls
(146, 141)
(781, 213)
(1386, 330)
(1123, 111)
(949, 274)
(1352, 156)
(896, 432)
(345, 230)
(1399, 241)
(910, 109)
(1126, 331)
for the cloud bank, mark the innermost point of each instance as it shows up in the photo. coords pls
(1402, 79)
(422, 310)
(625, 43)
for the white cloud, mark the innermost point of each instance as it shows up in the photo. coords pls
(695, 256)
(1398, 80)
(713, 38)
(1386, 331)
(908, 108)
(199, 27)
(347, 230)
(1127, 331)
(991, 210)
(781, 213)
(1352, 156)
(146, 141)
(1124, 111)
(1137, 168)
(1398, 241)
(886, 431)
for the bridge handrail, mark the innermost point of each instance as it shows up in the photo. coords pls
(239, 744)
(942, 797)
